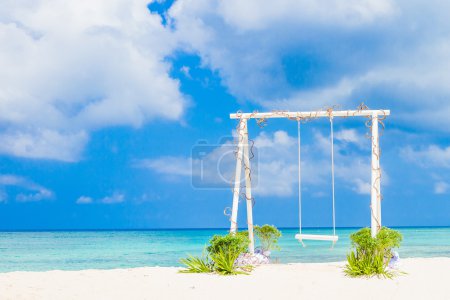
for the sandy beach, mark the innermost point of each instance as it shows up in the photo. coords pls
(426, 278)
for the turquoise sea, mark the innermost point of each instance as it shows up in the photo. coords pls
(75, 250)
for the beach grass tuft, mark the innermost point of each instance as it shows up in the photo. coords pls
(197, 264)
(371, 256)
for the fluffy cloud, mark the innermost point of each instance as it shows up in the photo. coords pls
(211, 166)
(96, 64)
(274, 167)
(361, 186)
(167, 165)
(250, 44)
(349, 136)
(31, 190)
(84, 200)
(435, 161)
(43, 143)
(251, 15)
(114, 198)
(441, 187)
(431, 156)
(288, 54)
(277, 164)
(68, 68)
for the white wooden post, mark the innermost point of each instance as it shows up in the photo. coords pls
(375, 192)
(237, 176)
(248, 191)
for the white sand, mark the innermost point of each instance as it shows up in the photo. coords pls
(426, 279)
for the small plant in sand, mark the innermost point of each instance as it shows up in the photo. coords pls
(233, 242)
(371, 256)
(268, 236)
(224, 263)
(195, 264)
(222, 252)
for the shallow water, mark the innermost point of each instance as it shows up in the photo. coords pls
(75, 250)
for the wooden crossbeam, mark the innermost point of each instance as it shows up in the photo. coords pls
(311, 114)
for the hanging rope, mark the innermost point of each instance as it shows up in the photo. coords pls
(332, 172)
(299, 181)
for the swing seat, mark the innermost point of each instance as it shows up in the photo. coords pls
(317, 237)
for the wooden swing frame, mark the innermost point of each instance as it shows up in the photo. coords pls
(243, 155)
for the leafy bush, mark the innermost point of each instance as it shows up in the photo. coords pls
(235, 243)
(268, 236)
(372, 255)
(221, 255)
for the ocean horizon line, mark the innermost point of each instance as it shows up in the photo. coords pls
(195, 228)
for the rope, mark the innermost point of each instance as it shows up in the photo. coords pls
(299, 182)
(332, 173)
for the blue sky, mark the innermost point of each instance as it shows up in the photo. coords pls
(103, 103)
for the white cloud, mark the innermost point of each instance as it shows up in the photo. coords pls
(41, 194)
(145, 197)
(210, 165)
(277, 164)
(441, 187)
(361, 187)
(97, 64)
(246, 41)
(280, 138)
(116, 197)
(314, 98)
(167, 165)
(349, 136)
(84, 200)
(352, 168)
(274, 168)
(186, 71)
(433, 159)
(431, 156)
(92, 65)
(294, 53)
(34, 191)
(44, 143)
(251, 15)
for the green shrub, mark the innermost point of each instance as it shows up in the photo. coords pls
(221, 255)
(224, 263)
(268, 236)
(235, 243)
(372, 255)
(197, 264)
